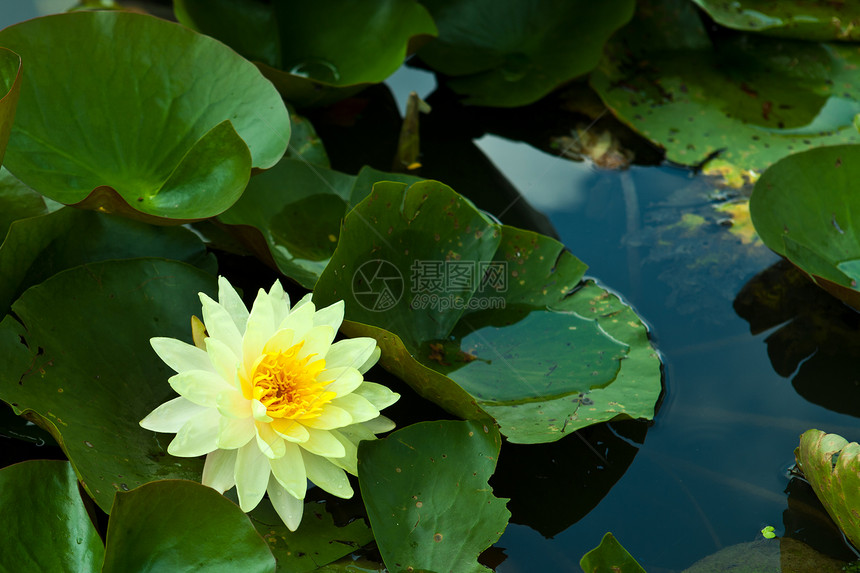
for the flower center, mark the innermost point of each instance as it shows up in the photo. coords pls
(287, 386)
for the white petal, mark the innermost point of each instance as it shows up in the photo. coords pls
(377, 394)
(344, 379)
(220, 325)
(322, 443)
(326, 475)
(289, 470)
(379, 424)
(232, 403)
(218, 470)
(224, 361)
(308, 298)
(280, 302)
(200, 386)
(261, 326)
(352, 352)
(358, 407)
(288, 507)
(291, 430)
(331, 315)
(251, 475)
(331, 418)
(171, 416)
(271, 444)
(235, 432)
(317, 341)
(179, 355)
(349, 462)
(300, 319)
(370, 362)
(358, 432)
(281, 341)
(197, 436)
(258, 409)
(232, 303)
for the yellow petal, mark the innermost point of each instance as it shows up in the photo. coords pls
(331, 418)
(220, 325)
(224, 361)
(358, 407)
(197, 436)
(377, 394)
(261, 326)
(353, 352)
(271, 444)
(317, 341)
(232, 303)
(331, 315)
(344, 379)
(234, 432)
(279, 342)
(349, 461)
(370, 362)
(258, 409)
(280, 302)
(289, 470)
(300, 319)
(200, 386)
(290, 430)
(179, 355)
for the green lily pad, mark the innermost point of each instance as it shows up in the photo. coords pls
(609, 556)
(291, 214)
(488, 321)
(508, 54)
(804, 209)
(316, 543)
(305, 144)
(88, 377)
(802, 19)
(10, 88)
(46, 525)
(39, 247)
(315, 55)
(426, 492)
(17, 201)
(175, 525)
(748, 100)
(831, 465)
(174, 120)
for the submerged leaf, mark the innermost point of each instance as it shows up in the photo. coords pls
(426, 492)
(508, 54)
(609, 556)
(123, 112)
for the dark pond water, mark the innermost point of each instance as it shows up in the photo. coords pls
(713, 468)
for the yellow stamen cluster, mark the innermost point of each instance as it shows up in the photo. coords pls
(287, 386)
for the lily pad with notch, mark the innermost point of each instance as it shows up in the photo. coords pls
(175, 120)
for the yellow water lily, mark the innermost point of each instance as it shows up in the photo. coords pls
(270, 399)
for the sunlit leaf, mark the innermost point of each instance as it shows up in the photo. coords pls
(830, 463)
(804, 209)
(487, 320)
(176, 525)
(46, 526)
(314, 53)
(123, 112)
(426, 492)
(512, 53)
(804, 19)
(90, 375)
(747, 100)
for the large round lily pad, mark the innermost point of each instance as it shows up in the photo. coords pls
(314, 52)
(804, 208)
(486, 320)
(90, 375)
(123, 112)
(739, 104)
(511, 53)
(803, 19)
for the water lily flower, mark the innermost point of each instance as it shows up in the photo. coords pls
(270, 399)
